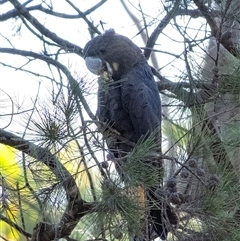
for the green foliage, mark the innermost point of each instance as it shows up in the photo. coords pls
(120, 205)
(118, 210)
(143, 167)
(219, 207)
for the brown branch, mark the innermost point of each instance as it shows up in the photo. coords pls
(225, 38)
(73, 83)
(14, 13)
(90, 25)
(139, 27)
(163, 24)
(208, 16)
(96, 6)
(76, 207)
(68, 46)
(193, 13)
(206, 90)
(14, 225)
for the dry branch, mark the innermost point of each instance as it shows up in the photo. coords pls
(76, 207)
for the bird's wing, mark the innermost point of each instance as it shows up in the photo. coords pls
(140, 98)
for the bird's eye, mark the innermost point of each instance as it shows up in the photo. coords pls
(102, 50)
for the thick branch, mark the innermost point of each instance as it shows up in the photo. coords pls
(14, 225)
(206, 90)
(223, 38)
(208, 16)
(76, 206)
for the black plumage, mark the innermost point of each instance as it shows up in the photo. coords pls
(128, 98)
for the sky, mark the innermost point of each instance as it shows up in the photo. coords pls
(23, 87)
(72, 30)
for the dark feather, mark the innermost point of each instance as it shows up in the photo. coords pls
(129, 99)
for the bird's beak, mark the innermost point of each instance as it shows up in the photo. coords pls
(98, 67)
(94, 65)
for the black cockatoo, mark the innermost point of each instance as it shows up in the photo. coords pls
(132, 104)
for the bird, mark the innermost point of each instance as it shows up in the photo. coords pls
(130, 104)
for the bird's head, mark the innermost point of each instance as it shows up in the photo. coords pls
(111, 54)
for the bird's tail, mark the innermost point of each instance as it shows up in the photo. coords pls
(161, 215)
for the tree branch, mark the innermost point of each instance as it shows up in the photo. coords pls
(178, 88)
(68, 46)
(73, 83)
(14, 225)
(223, 38)
(90, 25)
(210, 19)
(163, 24)
(76, 207)
(14, 13)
